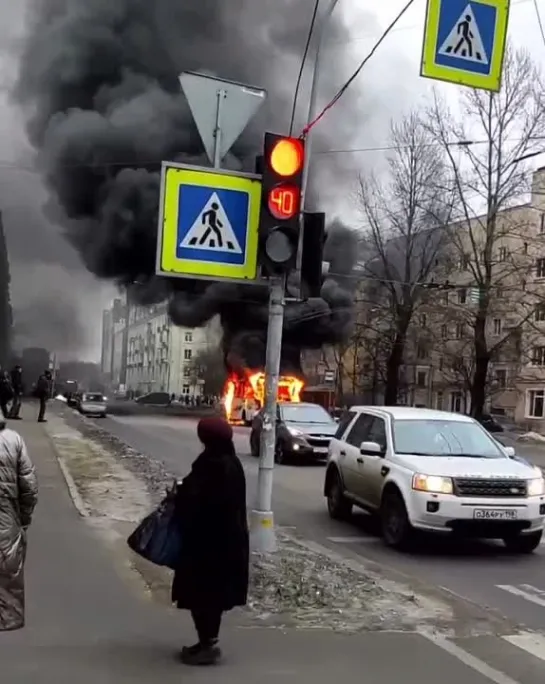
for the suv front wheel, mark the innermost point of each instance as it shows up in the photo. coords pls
(339, 507)
(523, 543)
(397, 530)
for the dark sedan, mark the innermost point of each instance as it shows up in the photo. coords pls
(302, 431)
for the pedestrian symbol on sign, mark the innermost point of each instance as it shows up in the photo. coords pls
(464, 40)
(212, 229)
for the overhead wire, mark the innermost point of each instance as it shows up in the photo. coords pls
(357, 72)
(540, 22)
(302, 66)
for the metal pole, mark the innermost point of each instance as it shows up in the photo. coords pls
(262, 534)
(221, 94)
(313, 101)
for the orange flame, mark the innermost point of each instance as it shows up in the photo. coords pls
(253, 388)
(228, 398)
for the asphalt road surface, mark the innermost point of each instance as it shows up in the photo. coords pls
(483, 573)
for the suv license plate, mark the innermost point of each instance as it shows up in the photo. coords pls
(321, 450)
(494, 514)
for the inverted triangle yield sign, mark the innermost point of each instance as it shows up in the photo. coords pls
(239, 104)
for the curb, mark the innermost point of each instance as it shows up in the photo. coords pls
(73, 490)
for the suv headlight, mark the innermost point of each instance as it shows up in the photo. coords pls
(536, 487)
(433, 484)
(295, 433)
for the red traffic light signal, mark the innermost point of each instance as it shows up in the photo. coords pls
(287, 157)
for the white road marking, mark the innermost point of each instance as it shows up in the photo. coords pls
(470, 660)
(531, 643)
(351, 540)
(522, 594)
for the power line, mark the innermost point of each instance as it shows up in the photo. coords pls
(540, 22)
(302, 67)
(356, 73)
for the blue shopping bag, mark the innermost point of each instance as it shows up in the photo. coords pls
(157, 538)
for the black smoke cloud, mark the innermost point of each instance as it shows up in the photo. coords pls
(98, 81)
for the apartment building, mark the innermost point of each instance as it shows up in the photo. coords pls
(438, 359)
(151, 354)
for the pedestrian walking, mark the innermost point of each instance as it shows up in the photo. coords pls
(212, 574)
(18, 497)
(18, 391)
(43, 392)
(6, 393)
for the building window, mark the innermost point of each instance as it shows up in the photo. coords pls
(501, 378)
(502, 254)
(421, 351)
(462, 296)
(187, 354)
(444, 332)
(540, 268)
(187, 372)
(439, 401)
(525, 248)
(421, 379)
(441, 362)
(459, 331)
(538, 356)
(423, 320)
(535, 403)
(542, 223)
(185, 389)
(540, 312)
(499, 293)
(497, 326)
(188, 337)
(445, 298)
(463, 262)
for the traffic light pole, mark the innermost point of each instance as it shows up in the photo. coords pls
(262, 532)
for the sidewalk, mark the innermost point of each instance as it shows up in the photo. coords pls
(89, 622)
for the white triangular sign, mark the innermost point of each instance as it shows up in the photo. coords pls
(239, 103)
(464, 40)
(212, 230)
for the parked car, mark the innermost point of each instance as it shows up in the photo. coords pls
(302, 431)
(93, 404)
(418, 469)
(490, 423)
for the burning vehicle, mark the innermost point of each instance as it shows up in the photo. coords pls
(244, 394)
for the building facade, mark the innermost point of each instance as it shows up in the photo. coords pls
(151, 354)
(438, 361)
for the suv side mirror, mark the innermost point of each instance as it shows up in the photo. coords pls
(510, 451)
(371, 449)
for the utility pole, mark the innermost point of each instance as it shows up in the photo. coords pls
(282, 175)
(263, 537)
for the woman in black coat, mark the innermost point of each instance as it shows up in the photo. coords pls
(212, 575)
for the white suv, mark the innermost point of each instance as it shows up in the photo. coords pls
(433, 471)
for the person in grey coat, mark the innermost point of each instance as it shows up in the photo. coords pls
(18, 497)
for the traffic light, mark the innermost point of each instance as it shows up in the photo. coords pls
(312, 253)
(279, 226)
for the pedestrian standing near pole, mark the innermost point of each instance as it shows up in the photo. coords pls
(43, 392)
(18, 497)
(18, 389)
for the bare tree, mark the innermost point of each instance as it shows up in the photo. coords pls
(404, 234)
(208, 366)
(490, 235)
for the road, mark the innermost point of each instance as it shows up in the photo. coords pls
(89, 618)
(483, 573)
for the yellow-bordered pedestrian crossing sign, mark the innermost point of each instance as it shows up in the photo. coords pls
(464, 42)
(208, 223)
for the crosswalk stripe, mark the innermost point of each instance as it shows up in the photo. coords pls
(350, 540)
(534, 644)
(470, 660)
(523, 594)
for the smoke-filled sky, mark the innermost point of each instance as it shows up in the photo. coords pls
(117, 62)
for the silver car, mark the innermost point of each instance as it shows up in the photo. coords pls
(93, 404)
